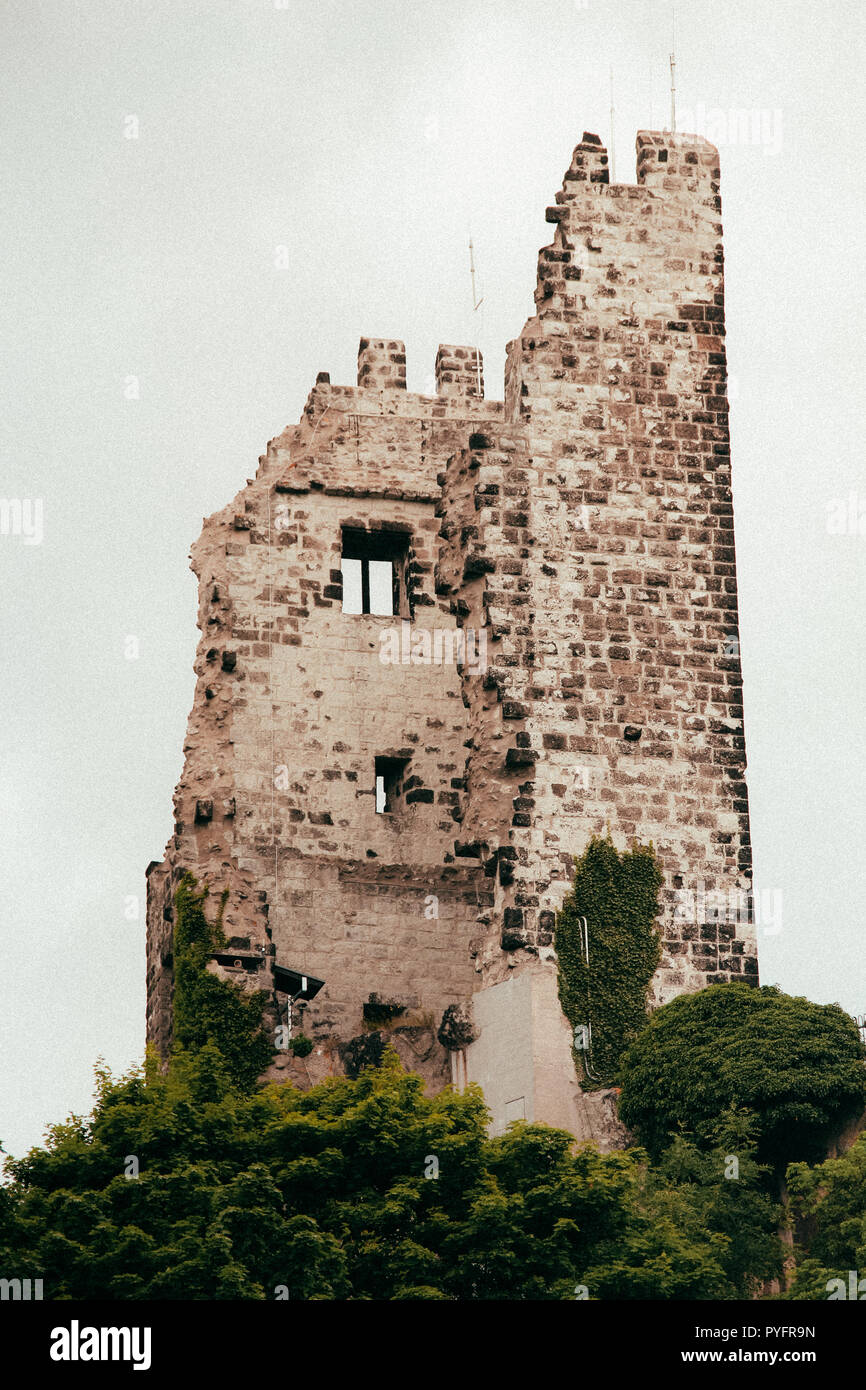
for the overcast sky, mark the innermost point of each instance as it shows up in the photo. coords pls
(205, 204)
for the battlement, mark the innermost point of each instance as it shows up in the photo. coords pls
(665, 161)
(382, 364)
(589, 163)
(677, 163)
(613, 239)
(459, 372)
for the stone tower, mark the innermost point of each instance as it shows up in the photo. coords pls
(446, 639)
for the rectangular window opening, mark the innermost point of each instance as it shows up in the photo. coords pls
(374, 566)
(390, 778)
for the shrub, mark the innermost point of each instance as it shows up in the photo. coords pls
(797, 1066)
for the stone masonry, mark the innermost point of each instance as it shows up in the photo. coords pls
(577, 538)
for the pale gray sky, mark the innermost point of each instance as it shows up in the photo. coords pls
(368, 139)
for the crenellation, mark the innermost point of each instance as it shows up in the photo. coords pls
(459, 372)
(382, 364)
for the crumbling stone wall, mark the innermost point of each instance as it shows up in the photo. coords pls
(584, 528)
(293, 705)
(596, 530)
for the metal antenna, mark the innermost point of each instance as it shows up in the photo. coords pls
(674, 76)
(476, 305)
(612, 143)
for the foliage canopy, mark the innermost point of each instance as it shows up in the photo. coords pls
(198, 1182)
(363, 1189)
(798, 1067)
(828, 1205)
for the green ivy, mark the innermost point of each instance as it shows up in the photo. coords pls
(618, 895)
(207, 1009)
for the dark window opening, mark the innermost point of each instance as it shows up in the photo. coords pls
(390, 779)
(374, 565)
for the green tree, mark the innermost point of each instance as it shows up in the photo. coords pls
(797, 1067)
(332, 1194)
(726, 1189)
(198, 1182)
(828, 1206)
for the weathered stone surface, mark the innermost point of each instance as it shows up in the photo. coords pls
(366, 1050)
(457, 1029)
(580, 534)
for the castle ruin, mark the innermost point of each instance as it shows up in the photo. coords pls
(445, 639)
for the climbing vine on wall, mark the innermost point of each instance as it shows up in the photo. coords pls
(618, 896)
(207, 1009)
